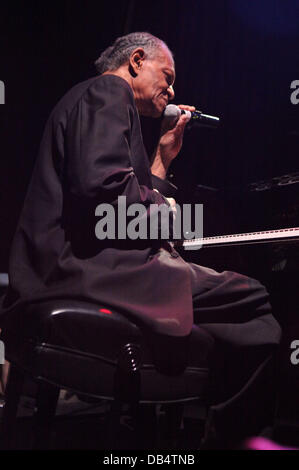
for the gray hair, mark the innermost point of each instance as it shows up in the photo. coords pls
(119, 53)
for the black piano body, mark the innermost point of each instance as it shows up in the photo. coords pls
(265, 206)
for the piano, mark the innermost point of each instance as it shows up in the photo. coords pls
(263, 244)
(253, 230)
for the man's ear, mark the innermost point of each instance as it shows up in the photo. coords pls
(136, 61)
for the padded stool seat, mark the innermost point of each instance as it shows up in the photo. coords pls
(94, 350)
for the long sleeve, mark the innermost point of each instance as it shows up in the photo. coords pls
(99, 165)
(98, 137)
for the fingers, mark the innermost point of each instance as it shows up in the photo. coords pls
(168, 124)
(181, 123)
(186, 107)
(176, 127)
(172, 203)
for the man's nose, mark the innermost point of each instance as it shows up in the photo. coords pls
(170, 92)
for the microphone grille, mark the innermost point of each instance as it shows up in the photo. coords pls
(172, 112)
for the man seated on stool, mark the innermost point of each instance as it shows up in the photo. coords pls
(91, 153)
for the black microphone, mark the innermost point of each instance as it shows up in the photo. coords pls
(173, 112)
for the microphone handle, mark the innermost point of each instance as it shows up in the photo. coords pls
(202, 119)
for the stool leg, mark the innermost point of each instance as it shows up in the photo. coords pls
(113, 424)
(46, 401)
(173, 422)
(146, 425)
(12, 397)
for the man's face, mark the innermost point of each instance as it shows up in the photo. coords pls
(153, 85)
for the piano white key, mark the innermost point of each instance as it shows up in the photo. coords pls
(239, 238)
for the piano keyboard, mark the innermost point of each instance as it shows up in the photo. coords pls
(285, 234)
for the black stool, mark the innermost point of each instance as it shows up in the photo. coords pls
(94, 351)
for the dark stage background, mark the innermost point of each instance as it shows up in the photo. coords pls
(234, 58)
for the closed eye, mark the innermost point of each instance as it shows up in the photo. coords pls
(169, 78)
